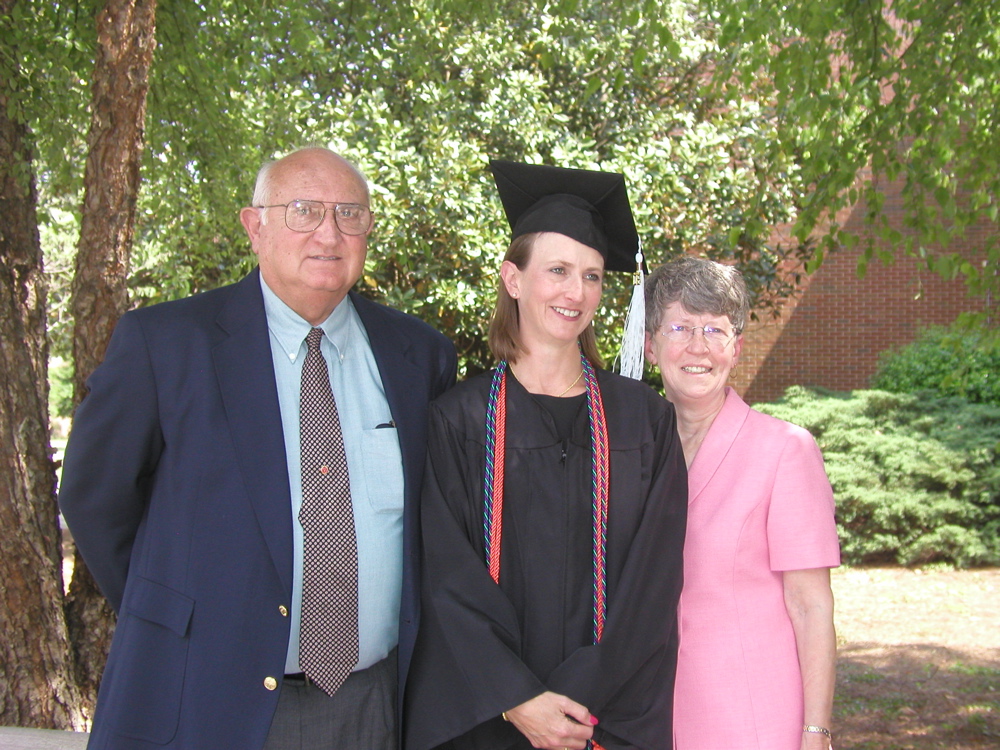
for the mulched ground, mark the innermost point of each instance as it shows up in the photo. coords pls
(919, 664)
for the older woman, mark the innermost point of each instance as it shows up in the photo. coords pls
(553, 507)
(757, 651)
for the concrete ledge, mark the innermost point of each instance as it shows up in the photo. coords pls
(15, 738)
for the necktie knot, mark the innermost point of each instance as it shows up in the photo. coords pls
(313, 339)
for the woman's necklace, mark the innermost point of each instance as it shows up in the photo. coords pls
(561, 393)
(558, 395)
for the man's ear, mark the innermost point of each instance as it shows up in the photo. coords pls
(251, 220)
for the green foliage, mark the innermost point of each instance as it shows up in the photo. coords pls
(908, 89)
(728, 118)
(947, 362)
(421, 94)
(916, 478)
(60, 388)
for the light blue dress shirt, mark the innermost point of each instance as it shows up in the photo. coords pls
(374, 462)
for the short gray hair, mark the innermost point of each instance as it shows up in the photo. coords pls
(702, 287)
(262, 185)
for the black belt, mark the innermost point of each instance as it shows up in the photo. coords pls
(301, 678)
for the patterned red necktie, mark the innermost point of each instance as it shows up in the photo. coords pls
(328, 633)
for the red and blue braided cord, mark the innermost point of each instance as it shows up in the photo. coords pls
(601, 459)
(496, 438)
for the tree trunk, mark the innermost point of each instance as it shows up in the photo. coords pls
(38, 688)
(125, 43)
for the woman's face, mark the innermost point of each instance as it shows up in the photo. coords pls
(558, 291)
(694, 370)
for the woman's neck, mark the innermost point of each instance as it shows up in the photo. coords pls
(694, 420)
(553, 373)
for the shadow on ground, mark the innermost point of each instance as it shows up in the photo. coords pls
(917, 697)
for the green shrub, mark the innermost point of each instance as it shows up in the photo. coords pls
(947, 362)
(915, 476)
(60, 388)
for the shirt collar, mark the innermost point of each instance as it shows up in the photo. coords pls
(290, 329)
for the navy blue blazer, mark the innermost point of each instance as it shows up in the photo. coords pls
(175, 488)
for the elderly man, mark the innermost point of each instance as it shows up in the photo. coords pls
(242, 480)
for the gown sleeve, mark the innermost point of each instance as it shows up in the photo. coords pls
(466, 668)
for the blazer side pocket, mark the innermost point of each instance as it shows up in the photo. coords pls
(152, 639)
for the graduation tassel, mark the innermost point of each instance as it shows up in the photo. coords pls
(631, 360)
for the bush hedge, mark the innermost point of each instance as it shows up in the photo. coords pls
(60, 388)
(947, 361)
(915, 476)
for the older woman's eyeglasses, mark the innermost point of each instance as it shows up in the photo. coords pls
(306, 216)
(715, 338)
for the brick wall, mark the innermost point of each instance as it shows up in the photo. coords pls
(832, 334)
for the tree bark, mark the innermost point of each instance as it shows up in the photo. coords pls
(125, 43)
(38, 688)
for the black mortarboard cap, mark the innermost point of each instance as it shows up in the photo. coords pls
(590, 207)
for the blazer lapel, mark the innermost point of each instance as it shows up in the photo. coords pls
(717, 443)
(246, 380)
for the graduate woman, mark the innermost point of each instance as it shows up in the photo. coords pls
(554, 506)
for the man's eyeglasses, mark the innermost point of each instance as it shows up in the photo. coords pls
(715, 338)
(306, 216)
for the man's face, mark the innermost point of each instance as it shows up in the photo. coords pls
(310, 271)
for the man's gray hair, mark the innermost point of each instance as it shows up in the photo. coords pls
(262, 185)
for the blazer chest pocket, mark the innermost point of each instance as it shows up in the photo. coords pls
(147, 674)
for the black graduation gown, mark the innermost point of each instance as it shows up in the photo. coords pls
(483, 649)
